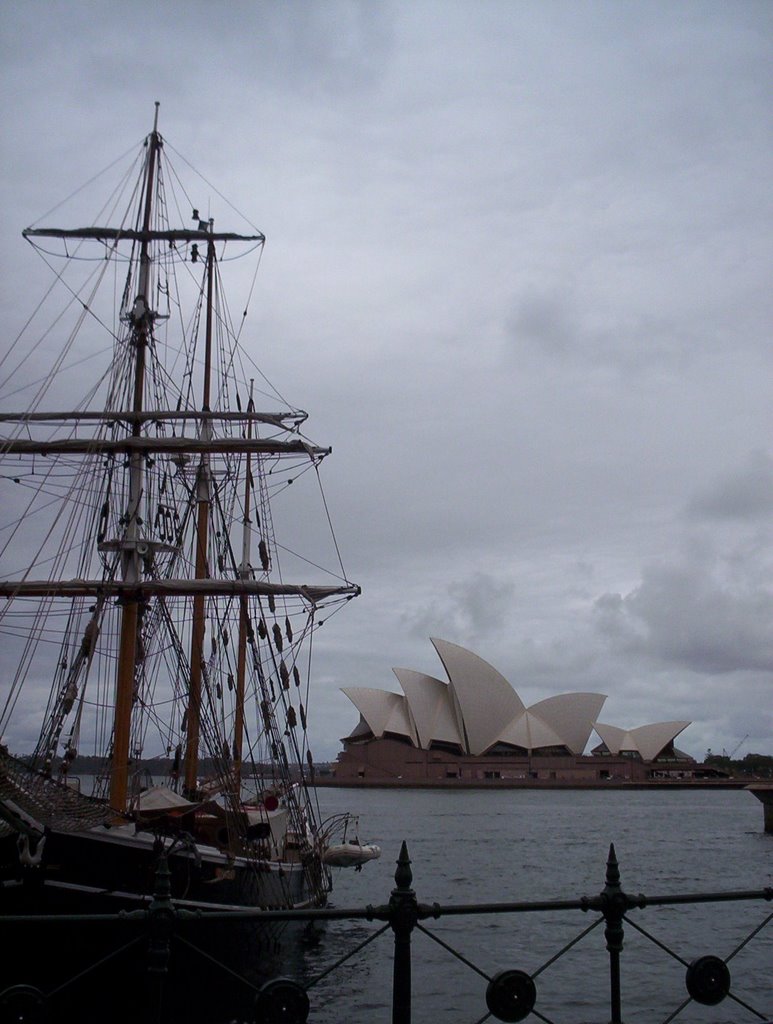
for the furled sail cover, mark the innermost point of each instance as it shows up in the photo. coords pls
(487, 702)
(432, 707)
(647, 740)
(571, 716)
(383, 711)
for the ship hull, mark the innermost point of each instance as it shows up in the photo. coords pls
(91, 907)
(118, 867)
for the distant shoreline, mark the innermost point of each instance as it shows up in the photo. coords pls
(323, 782)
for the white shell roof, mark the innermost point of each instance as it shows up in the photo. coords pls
(530, 731)
(571, 715)
(478, 708)
(431, 704)
(383, 710)
(647, 740)
(486, 700)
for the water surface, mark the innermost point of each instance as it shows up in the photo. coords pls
(513, 845)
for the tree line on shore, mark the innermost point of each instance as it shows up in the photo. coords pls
(753, 766)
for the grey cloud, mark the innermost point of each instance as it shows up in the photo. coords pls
(744, 493)
(687, 615)
(518, 273)
(546, 321)
(468, 609)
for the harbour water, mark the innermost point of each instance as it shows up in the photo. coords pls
(514, 845)
(471, 847)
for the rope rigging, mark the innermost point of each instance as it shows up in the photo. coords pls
(96, 503)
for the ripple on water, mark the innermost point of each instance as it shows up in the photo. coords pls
(469, 847)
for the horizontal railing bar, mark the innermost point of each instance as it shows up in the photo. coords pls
(711, 897)
(382, 913)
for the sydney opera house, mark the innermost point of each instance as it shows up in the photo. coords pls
(474, 729)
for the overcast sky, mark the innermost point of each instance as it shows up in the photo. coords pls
(518, 271)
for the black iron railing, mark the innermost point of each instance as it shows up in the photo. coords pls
(164, 933)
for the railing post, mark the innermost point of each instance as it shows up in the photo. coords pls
(615, 905)
(161, 917)
(403, 914)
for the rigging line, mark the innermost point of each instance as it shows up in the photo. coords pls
(312, 628)
(17, 682)
(330, 523)
(67, 524)
(41, 339)
(176, 178)
(250, 291)
(180, 184)
(132, 149)
(55, 500)
(18, 525)
(86, 309)
(146, 714)
(29, 320)
(274, 392)
(301, 639)
(20, 630)
(240, 353)
(185, 332)
(308, 561)
(210, 185)
(58, 276)
(192, 336)
(57, 493)
(143, 712)
(67, 497)
(62, 552)
(227, 336)
(116, 195)
(134, 171)
(68, 671)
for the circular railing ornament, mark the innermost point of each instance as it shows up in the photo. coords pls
(281, 1001)
(708, 980)
(511, 995)
(23, 1003)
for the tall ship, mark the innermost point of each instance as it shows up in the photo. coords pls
(149, 602)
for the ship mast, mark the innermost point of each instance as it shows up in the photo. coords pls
(128, 439)
(141, 319)
(244, 621)
(203, 498)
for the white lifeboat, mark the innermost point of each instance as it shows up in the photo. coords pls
(350, 855)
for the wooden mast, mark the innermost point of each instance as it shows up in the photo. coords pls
(141, 319)
(203, 497)
(244, 621)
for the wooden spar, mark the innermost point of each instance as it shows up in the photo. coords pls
(130, 617)
(129, 235)
(202, 571)
(138, 446)
(142, 589)
(286, 420)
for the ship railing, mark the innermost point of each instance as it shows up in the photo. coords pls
(510, 995)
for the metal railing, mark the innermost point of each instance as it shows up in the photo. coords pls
(165, 932)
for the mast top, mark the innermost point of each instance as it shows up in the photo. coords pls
(155, 118)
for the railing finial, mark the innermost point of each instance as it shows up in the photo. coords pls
(613, 870)
(403, 874)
